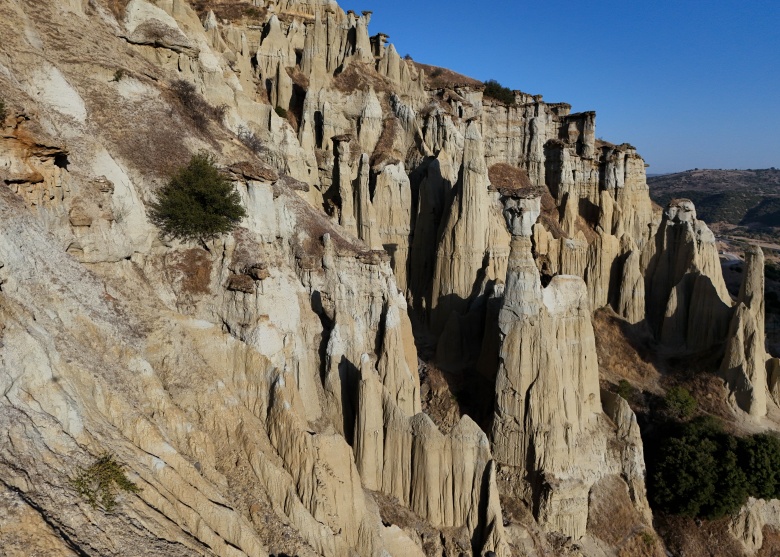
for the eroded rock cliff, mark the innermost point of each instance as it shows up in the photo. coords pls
(262, 388)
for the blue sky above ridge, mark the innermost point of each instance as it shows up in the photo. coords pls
(690, 83)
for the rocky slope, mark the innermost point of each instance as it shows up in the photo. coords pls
(263, 388)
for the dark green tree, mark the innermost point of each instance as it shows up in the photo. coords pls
(197, 203)
(698, 470)
(760, 458)
(731, 486)
(685, 475)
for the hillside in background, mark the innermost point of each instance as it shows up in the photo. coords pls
(748, 198)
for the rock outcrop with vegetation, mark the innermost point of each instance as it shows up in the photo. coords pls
(387, 349)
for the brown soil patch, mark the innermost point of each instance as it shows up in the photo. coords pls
(192, 268)
(550, 218)
(359, 77)
(624, 351)
(230, 11)
(506, 176)
(440, 78)
(384, 147)
(438, 401)
(698, 538)
(613, 519)
(771, 546)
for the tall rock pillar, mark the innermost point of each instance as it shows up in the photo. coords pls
(745, 362)
(547, 387)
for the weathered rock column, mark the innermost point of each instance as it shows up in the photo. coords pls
(547, 390)
(745, 363)
(343, 168)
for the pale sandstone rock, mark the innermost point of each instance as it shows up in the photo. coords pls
(631, 297)
(370, 122)
(464, 238)
(442, 478)
(632, 458)
(321, 290)
(683, 283)
(773, 375)
(393, 205)
(367, 227)
(744, 364)
(548, 399)
(747, 527)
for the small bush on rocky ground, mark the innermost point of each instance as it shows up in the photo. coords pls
(281, 112)
(625, 390)
(100, 483)
(250, 140)
(2, 110)
(199, 111)
(495, 90)
(679, 403)
(197, 203)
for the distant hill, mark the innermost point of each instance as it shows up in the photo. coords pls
(738, 197)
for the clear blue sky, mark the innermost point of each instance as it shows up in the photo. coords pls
(690, 83)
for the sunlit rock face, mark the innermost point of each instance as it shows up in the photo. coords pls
(262, 388)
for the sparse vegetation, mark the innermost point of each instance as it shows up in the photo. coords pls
(679, 403)
(281, 112)
(625, 390)
(199, 111)
(118, 75)
(100, 483)
(250, 140)
(495, 90)
(2, 110)
(198, 203)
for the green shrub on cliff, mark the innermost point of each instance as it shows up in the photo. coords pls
(497, 91)
(100, 483)
(197, 203)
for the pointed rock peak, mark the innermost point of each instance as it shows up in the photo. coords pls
(273, 29)
(472, 131)
(210, 22)
(371, 105)
(364, 163)
(753, 281)
(423, 425)
(366, 368)
(392, 317)
(466, 427)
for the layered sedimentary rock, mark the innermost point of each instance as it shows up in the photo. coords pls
(688, 305)
(260, 386)
(447, 479)
(464, 239)
(547, 398)
(745, 362)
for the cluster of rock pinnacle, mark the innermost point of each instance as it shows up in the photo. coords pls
(262, 389)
